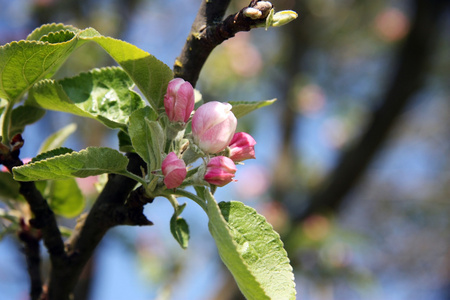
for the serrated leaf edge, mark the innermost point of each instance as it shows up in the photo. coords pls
(94, 71)
(75, 30)
(64, 31)
(37, 158)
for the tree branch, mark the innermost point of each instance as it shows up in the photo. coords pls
(208, 31)
(413, 61)
(110, 209)
(44, 218)
(30, 240)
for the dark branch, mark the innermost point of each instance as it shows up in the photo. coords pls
(208, 31)
(110, 209)
(44, 218)
(413, 61)
(30, 239)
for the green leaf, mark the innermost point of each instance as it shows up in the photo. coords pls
(58, 138)
(51, 153)
(180, 230)
(65, 197)
(125, 142)
(150, 74)
(46, 29)
(9, 188)
(24, 63)
(102, 94)
(22, 116)
(147, 137)
(251, 250)
(88, 162)
(241, 108)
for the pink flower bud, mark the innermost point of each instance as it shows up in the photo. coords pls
(179, 100)
(174, 171)
(213, 126)
(242, 147)
(220, 171)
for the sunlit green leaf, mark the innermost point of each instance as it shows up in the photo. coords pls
(241, 108)
(47, 29)
(251, 250)
(150, 74)
(88, 162)
(102, 94)
(24, 63)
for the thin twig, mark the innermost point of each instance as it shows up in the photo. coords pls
(208, 31)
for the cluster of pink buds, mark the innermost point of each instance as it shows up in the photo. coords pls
(213, 132)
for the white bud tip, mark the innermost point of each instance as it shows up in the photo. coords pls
(252, 13)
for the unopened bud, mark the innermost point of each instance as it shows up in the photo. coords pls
(220, 171)
(179, 100)
(252, 13)
(213, 126)
(174, 171)
(264, 7)
(283, 17)
(242, 147)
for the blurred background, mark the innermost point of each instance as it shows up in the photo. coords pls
(352, 163)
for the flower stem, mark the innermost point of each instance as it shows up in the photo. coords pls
(183, 193)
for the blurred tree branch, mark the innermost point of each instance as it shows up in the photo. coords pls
(30, 239)
(285, 171)
(411, 65)
(411, 68)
